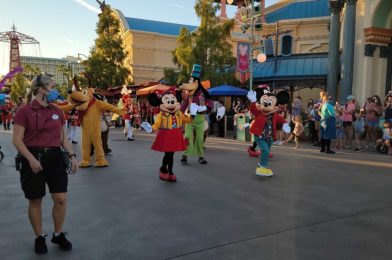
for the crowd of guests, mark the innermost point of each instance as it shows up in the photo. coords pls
(352, 126)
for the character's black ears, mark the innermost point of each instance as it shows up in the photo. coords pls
(283, 97)
(178, 96)
(259, 93)
(154, 100)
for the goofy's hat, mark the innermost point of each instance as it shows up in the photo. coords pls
(196, 71)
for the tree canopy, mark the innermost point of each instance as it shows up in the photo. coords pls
(207, 46)
(105, 66)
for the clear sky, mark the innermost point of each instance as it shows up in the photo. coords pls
(67, 27)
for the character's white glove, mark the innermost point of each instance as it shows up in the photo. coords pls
(246, 125)
(147, 127)
(202, 109)
(193, 109)
(286, 128)
(252, 96)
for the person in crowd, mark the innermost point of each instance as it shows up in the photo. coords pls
(73, 125)
(220, 118)
(297, 132)
(311, 121)
(340, 135)
(359, 129)
(317, 117)
(374, 110)
(6, 113)
(327, 125)
(283, 112)
(387, 133)
(39, 137)
(213, 114)
(388, 108)
(296, 110)
(348, 111)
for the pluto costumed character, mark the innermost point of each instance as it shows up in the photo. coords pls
(265, 111)
(90, 110)
(169, 123)
(194, 132)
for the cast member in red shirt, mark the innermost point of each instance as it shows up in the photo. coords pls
(39, 137)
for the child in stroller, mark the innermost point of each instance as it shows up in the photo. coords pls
(384, 145)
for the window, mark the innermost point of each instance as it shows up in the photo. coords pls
(287, 42)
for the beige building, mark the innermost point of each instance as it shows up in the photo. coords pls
(49, 66)
(372, 72)
(149, 45)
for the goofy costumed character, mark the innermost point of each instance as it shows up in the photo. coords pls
(265, 111)
(169, 123)
(194, 132)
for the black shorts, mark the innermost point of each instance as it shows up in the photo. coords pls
(54, 174)
(347, 123)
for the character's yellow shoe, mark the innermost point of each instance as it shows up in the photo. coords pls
(264, 171)
(85, 164)
(101, 163)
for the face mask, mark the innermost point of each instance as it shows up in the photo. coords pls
(53, 95)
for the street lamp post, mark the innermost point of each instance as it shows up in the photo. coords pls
(80, 54)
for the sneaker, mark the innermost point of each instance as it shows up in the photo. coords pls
(280, 143)
(62, 241)
(40, 245)
(330, 152)
(264, 171)
(276, 142)
(347, 147)
(358, 149)
(184, 159)
(202, 161)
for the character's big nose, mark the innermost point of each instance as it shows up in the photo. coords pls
(265, 104)
(172, 102)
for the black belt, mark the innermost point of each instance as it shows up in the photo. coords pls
(44, 150)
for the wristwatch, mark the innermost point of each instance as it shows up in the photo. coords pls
(71, 155)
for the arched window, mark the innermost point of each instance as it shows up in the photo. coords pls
(287, 43)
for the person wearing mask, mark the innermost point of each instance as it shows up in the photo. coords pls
(39, 137)
(220, 118)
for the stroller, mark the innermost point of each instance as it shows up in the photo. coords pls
(382, 148)
(1, 155)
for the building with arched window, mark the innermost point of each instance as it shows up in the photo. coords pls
(362, 32)
(298, 32)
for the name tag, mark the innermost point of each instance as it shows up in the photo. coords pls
(55, 117)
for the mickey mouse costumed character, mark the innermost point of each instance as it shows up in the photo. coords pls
(169, 122)
(265, 111)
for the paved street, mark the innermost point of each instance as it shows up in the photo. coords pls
(317, 206)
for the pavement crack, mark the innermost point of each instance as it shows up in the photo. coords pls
(282, 231)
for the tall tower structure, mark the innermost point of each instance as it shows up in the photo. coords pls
(15, 38)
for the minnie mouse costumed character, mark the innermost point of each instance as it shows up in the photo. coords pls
(265, 111)
(169, 123)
